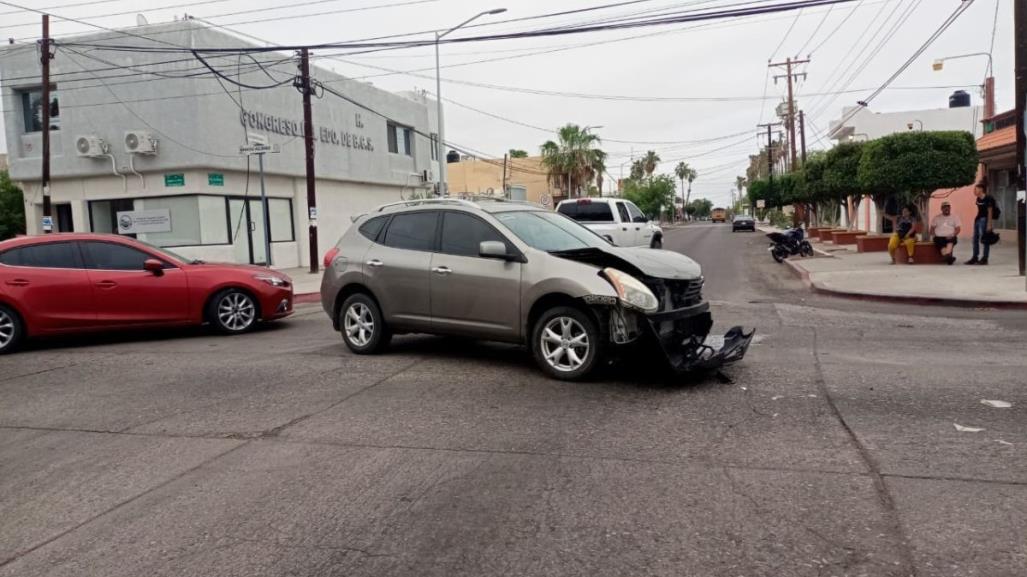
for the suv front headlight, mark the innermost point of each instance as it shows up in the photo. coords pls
(631, 291)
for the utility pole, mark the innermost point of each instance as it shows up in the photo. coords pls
(1020, 35)
(802, 133)
(505, 156)
(788, 65)
(308, 144)
(46, 56)
(770, 154)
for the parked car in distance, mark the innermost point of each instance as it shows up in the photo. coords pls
(743, 222)
(718, 215)
(617, 220)
(76, 282)
(520, 273)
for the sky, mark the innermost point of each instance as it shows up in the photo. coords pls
(715, 72)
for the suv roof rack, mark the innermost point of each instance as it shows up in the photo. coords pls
(418, 201)
(503, 200)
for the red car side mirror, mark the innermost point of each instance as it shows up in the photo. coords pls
(153, 265)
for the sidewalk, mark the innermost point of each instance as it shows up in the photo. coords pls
(848, 273)
(306, 286)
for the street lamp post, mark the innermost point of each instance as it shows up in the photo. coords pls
(440, 137)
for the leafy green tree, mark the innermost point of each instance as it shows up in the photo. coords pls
(651, 195)
(573, 160)
(12, 208)
(912, 165)
(700, 207)
(517, 153)
(637, 170)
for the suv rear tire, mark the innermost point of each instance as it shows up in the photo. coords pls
(363, 329)
(657, 242)
(566, 343)
(12, 330)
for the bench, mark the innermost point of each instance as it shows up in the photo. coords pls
(923, 253)
(872, 243)
(828, 235)
(847, 237)
(814, 232)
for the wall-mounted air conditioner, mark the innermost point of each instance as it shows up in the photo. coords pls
(90, 146)
(140, 142)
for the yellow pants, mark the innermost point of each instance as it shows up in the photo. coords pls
(893, 245)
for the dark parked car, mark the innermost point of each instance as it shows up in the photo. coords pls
(743, 222)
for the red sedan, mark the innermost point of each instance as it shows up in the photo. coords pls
(66, 283)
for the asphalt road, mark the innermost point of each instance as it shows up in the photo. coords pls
(831, 450)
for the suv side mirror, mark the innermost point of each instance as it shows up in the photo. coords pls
(153, 265)
(494, 249)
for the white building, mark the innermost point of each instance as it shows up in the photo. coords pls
(182, 160)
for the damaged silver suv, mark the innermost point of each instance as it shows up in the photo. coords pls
(519, 273)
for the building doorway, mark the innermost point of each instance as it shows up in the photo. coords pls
(65, 222)
(247, 229)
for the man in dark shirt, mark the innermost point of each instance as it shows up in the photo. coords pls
(983, 222)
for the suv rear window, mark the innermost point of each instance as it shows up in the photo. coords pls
(371, 228)
(43, 255)
(587, 211)
(412, 231)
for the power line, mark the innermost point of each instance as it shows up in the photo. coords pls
(815, 31)
(99, 16)
(787, 34)
(839, 27)
(11, 4)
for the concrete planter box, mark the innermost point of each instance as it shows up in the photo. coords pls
(872, 243)
(847, 237)
(924, 253)
(814, 232)
(828, 235)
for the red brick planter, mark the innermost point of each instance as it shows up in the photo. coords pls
(828, 235)
(924, 253)
(814, 232)
(872, 243)
(848, 237)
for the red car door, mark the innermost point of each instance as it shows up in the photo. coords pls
(49, 286)
(127, 294)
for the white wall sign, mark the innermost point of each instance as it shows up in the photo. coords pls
(143, 221)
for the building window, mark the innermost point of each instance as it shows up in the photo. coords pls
(195, 220)
(400, 139)
(282, 229)
(32, 109)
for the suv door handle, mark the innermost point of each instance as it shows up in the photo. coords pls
(443, 270)
(375, 263)
(624, 228)
(18, 282)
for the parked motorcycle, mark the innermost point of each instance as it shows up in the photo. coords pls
(789, 243)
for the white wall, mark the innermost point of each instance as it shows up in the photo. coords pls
(869, 125)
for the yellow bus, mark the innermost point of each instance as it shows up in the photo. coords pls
(718, 215)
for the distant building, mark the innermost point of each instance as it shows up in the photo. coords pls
(525, 179)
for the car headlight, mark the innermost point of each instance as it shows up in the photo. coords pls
(631, 291)
(272, 280)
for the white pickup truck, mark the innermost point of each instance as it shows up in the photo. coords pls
(616, 219)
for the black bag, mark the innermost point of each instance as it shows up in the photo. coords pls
(990, 237)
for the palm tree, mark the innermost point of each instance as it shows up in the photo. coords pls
(684, 172)
(574, 160)
(649, 163)
(637, 170)
(740, 182)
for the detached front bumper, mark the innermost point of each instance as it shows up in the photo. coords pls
(683, 336)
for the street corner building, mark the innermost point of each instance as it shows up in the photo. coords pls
(147, 143)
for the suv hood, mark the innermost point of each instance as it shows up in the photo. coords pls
(638, 261)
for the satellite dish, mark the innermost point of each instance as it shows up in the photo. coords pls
(141, 20)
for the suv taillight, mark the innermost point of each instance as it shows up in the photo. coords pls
(330, 256)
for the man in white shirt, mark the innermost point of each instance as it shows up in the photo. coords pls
(945, 229)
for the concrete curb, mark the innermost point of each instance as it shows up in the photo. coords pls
(306, 298)
(804, 276)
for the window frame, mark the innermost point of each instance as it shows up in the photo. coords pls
(440, 228)
(25, 95)
(384, 233)
(76, 250)
(86, 256)
(626, 214)
(400, 139)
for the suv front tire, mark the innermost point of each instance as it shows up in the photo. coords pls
(362, 326)
(566, 343)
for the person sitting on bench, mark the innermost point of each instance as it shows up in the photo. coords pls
(904, 226)
(945, 230)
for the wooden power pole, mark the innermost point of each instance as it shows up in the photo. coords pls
(789, 64)
(308, 144)
(46, 55)
(1020, 49)
(802, 134)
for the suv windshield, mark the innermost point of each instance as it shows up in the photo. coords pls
(550, 231)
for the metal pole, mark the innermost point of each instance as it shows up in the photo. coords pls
(308, 145)
(504, 174)
(802, 129)
(791, 114)
(443, 183)
(45, 54)
(1020, 47)
(267, 213)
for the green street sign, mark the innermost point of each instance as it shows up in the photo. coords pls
(174, 180)
(215, 179)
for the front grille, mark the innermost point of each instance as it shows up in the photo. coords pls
(676, 294)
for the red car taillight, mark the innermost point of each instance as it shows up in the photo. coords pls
(330, 256)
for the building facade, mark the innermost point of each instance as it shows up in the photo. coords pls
(153, 138)
(525, 179)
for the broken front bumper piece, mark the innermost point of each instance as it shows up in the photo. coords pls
(688, 349)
